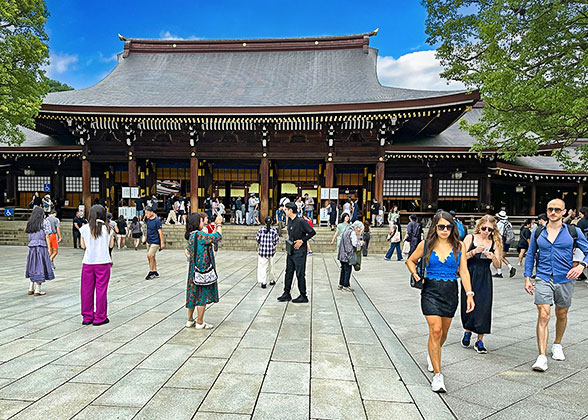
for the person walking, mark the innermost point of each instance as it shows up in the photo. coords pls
(366, 238)
(393, 216)
(525, 237)
(349, 242)
(136, 231)
(121, 235)
(375, 209)
(507, 235)
(355, 210)
(251, 209)
(38, 269)
(238, 211)
(299, 232)
(140, 207)
(97, 240)
(202, 287)
(267, 238)
(394, 238)
(556, 277)
(154, 241)
(308, 206)
(439, 296)
(414, 233)
(299, 206)
(55, 236)
(341, 227)
(332, 214)
(172, 215)
(483, 248)
(78, 222)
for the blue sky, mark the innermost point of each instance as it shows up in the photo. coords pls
(83, 34)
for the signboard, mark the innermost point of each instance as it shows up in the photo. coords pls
(334, 194)
(127, 212)
(324, 217)
(46, 187)
(8, 212)
(126, 192)
(134, 192)
(325, 193)
(329, 193)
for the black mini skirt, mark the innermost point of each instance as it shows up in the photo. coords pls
(439, 297)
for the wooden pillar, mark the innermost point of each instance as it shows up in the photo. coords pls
(379, 182)
(580, 198)
(264, 187)
(86, 194)
(532, 208)
(329, 175)
(193, 184)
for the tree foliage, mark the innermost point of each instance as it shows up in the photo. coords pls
(529, 59)
(23, 53)
(57, 86)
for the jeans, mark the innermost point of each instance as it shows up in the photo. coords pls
(308, 213)
(366, 238)
(394, 246)
(251, 216)
(345, 274)
(296, 263)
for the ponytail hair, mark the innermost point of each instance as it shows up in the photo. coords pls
(96, 220)
(268, 223)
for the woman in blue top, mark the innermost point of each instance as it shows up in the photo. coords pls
(439, 297)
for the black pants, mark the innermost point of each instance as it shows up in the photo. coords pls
(76, 237)
(296, 262)
(345, 274)
(366, 238)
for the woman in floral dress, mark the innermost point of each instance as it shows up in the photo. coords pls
(200, 253)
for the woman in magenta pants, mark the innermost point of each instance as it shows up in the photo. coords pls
(97, 238)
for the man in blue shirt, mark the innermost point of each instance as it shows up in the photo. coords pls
(556, 277)
(154, 240)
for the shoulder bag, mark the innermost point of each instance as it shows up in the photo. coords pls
(208, 276)
(421, 271)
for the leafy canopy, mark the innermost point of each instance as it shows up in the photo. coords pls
(529, 59)
(23, 52)
(57, 86)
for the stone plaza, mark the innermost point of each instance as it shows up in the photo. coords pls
(359, 355)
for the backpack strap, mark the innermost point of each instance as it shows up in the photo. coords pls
(572, 230)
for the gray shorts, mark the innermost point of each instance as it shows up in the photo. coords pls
(548, 293)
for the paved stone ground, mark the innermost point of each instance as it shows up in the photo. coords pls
(343, 356)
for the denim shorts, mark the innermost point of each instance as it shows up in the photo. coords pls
(547, 293)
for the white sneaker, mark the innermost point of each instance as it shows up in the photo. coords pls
(438, 384)
(190, 324)
(541, 364)
(204, 326)
(557, 352)
(429, 364)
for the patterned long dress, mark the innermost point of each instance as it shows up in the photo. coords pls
(200, 249)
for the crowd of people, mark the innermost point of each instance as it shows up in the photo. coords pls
(553, 249)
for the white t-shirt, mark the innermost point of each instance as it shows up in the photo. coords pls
(96, 248)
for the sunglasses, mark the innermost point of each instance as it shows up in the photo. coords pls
(444, 227)
(486, 228)
(554, 209)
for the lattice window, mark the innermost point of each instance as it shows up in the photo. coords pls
(458, 188)
(402, 187)
(33, 183)
(75, 184)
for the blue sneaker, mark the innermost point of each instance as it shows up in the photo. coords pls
(465, 341)
(479, 346)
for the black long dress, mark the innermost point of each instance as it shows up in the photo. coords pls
(480, 319)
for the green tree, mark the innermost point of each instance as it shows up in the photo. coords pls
(23, 52)
(529, 59)
(56, 86)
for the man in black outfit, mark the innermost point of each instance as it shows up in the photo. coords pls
(299, 232)
(78, 222)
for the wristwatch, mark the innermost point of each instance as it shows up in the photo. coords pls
(582, 263)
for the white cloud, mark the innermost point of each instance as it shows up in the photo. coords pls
(105, 59)
(169, 35)
(416, 70)
(60, 63)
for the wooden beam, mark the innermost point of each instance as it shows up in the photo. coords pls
(86, 194)
(379, 181)
(532, 208)
(193, 184)
(579, 201)
(329, 175)
(264, 187)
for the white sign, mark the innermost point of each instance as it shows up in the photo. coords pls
(325, 193)
(334, 194)
(324, 216)
(134, 192)
(126, 192)
(127, 212)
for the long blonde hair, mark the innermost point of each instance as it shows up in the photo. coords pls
(495, 233)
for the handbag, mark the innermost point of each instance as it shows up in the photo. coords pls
(357, 265)
(289, 247)
(406, 247)
(206, 278)
(421, 271)
(352, 258)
